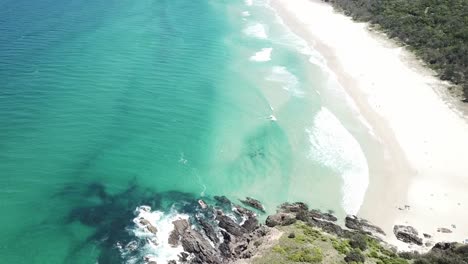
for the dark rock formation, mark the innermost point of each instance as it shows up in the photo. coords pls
(243, 211)
(426, 235)
(444, 246)
(282, 219)
(148, 225)
(193, 242)
(327, 226)
(229, 225)
(242, 235)
(250, 224)
(253, 203)
(209, 231)
(407, 234)
(444, 230)
(224, 247)
(355, 223)
(293, 207)
(322, 216)
(246, 246)
(288, 213)
(180, 226)
(183, 257)
(203, 243)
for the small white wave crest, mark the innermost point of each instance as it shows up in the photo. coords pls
(291, 39)
(256, 30)
(290, 82)
(334, 147)
(262, 55)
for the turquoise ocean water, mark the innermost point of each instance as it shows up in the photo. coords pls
(107, 105)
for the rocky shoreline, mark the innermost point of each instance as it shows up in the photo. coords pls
(225, 232)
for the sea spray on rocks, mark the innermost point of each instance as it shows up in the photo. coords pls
(151, 232)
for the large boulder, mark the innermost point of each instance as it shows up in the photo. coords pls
(444, 246)
(293, 207)
(282, 219)
(407, 234)
(253, 203)
(250, 224)
(193, 242)
(355, 223)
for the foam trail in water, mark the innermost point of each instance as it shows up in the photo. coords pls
(256, 30)
(249, 2)
(200, 182)
(290, 82)
(334, 147)
(245, 13)
(262, 55)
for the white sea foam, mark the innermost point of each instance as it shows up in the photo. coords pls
(290, 39)
(256, 30)
(245, 13)
(156, 246)
(262, 55)
(334, 147)
(249, 2)
(182, 159)
(290, 82)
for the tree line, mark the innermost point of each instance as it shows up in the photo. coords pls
(436, 30)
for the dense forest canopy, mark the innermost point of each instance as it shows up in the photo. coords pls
(437, 30)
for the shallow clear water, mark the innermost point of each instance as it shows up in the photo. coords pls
(106, 105)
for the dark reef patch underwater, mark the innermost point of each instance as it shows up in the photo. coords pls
(110, 215)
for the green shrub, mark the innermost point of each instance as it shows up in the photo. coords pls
(373, 254)
(443, 257)
(408, 255)
(358, 241)
(279, 250)
(302, 239)
(342, 246)
(462, 250)
(310, 232)
(386, 260)
(355, 256)
(307, 255)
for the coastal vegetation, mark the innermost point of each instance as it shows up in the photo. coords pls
(313, 245)
(437, 31)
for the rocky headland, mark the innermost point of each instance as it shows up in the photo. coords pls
(226, 232)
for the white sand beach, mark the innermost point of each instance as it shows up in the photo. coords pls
(422, 129)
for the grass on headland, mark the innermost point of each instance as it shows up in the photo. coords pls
(301, 243)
